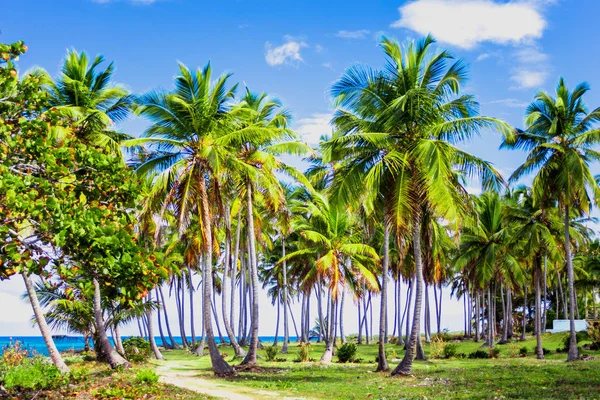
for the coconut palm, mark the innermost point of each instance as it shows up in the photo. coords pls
(334, 239)
(398, 127)
(84, 90)
(560, 137)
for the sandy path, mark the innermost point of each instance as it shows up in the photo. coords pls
(179, 375)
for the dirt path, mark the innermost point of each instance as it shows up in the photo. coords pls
(183, 375)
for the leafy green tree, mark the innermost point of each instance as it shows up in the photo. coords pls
(560, 136)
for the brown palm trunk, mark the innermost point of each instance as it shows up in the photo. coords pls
(55, 356)
(405, 366)
(286, 330)
(573, 351)
(220, 366)
(238, 351)
(538, 311)
(330, 340)
(166, 315)
(252, 350)
(151, 338)
(108, 351)
(118, 341)
(524, 312)
(382, 364)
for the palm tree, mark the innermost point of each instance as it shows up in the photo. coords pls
(258, 157)
(560, 137)
(191, 137)
(335, 240)
(90, 95)
(397, 129)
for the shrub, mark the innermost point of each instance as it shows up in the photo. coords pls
(437, 347)
(479, 354)
(271, 352)
(450, 350)
(304, 352)
(523, 351)
(461, 355)
(393, 340)
(594, 333)
(546, 351)
(445, 336)
(579, 336)
(137, 349)
(346, 352)
(35, 373)
(494, 352)
(146, 376)
(14, 355)
(79, 374)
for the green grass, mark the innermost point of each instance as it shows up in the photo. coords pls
(505, 377)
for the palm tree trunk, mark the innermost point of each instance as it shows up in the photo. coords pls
(465, 313)
(545, 282)
(342, 336)
(165, 344)
(509, 297)
(180, 311)
(109, 353)
(251, 355)
(477, 317)
(320, 309)
(405, 366)
(234, 265)
(118, 341)
(524, 313)
(538, 311)
(276, 340)
(167, 325)
(214, 313)
(220, 366)
(427, 315)
(151, 338)
(573, 351)
(307, 323)
(286, 328)
(55, 356)
(329, 341)
(191, 285)
(504, 338)
(359, 338)
(303, 319)
(400, 317)
(293, 320)
(382, 364)
(490, 318)
(238, 351)
(395, 307)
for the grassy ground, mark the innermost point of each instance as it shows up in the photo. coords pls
(508, 376)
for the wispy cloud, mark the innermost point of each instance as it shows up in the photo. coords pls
(357, 34)
(526, 78)
(312, 128)
(287, 53)
(531, 68)
(466, 23)
(243, 26)
(328, 65)
(513, 103)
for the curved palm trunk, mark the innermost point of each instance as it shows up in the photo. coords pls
(382, 364)
(330, 339)
(573, 351)
(405, 366)
(276, 340)
(286, 331)
(110, 354)
(524, 313)
(55, 356)
(538, 312)
(166, 315)
(341, 314)
(251, 355)
(118, 341)
(239, 352)
(151, 338)
(220, 366)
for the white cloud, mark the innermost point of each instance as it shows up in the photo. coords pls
(513, 103)
(319, 48)
(528, 78)
(358, 34)
(313, 127)
(328, 65)
(287, 53)
(465, 23)
(482, 57)
(243, 26)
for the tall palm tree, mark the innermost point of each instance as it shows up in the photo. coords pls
(335, 240)
(88, 92)
(191, 138)
(560, 136)
(398, 127)
(259, 160)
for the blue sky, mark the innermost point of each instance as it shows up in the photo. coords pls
(295, 50)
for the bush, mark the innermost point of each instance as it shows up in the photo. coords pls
(450, 350)
(346, 352)
(35, 373)
(137, 349)
(146, 376)
(461, 355)
(436, 348)
(579, 336)
(593, 333)
(393, 340)
(479, 354)
(445, 336)
(494, 352)
(271, 352)
(546, 351)
(304, 352)
(523, 351)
